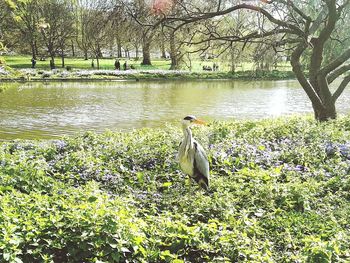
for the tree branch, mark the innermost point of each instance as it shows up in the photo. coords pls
(253, 35)
(204, 16)
(295, 8)
(336, 62)
(336, 73)
(332, 19)
(318, 21)
(341, 88)
(297, 69)
(340, 8)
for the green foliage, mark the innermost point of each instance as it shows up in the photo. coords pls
(280, 192)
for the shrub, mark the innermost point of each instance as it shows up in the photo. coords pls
(278, 194)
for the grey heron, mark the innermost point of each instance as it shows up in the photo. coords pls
(192, 158)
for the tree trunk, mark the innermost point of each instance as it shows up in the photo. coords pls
(32, 45)
(325, 113)
(111, 53)
(73, 50)
(86, 55)
(233, 66)
(316, 88)
(62, 57)
(146, 51)
(98, 62)
(36, 48)
(119, 47)
(173, 53)
(52, 61)
(99, 51)
(162, 47)
(137, 53)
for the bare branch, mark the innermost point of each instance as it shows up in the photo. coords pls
(219, 6)
(295, 8)
(341, 7)
(335, 74)
(341, 88)
(330, 25)
(235, 38)
(204, 16)
(336, 62)
(318, 21)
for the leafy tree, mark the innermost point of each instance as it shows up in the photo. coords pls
(56, 29)
(143, 14)
(98, 21)
(10, 37)
(308, 29)
(82, 17)
(126, 31)
(25, 15)
(3, 24)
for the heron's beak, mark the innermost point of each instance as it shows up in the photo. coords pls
(197, 121)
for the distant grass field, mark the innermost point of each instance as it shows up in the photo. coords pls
(24, 61)
(78, 63)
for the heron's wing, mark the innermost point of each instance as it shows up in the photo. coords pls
(201, 166)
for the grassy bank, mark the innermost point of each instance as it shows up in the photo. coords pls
(280, 192)
(79, 69)
(109, 75)
(24, 62)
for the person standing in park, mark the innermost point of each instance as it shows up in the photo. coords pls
(33, 62)
(52, 64)
(117, 64)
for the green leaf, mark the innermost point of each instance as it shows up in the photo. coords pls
(92, 199)
(167, 184)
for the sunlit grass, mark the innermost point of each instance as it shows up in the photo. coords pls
(24, 61)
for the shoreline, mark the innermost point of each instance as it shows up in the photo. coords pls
(35, 75)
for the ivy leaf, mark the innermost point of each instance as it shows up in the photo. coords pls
(92, 199)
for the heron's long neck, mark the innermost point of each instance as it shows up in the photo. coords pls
(187, 137)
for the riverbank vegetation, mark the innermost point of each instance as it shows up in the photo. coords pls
(18, 69)
(108, 75)
(279, 193)
(78, 69)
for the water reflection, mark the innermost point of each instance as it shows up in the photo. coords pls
(48, 110)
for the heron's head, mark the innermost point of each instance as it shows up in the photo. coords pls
(190, 119)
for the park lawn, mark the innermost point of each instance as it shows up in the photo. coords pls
(279, 192)
(24, 61)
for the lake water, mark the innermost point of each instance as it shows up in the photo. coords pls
(54, 109)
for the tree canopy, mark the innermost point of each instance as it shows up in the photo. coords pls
(314, 33)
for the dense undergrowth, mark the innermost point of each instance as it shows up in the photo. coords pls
(280, 192)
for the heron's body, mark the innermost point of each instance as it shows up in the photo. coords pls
(192, 158)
